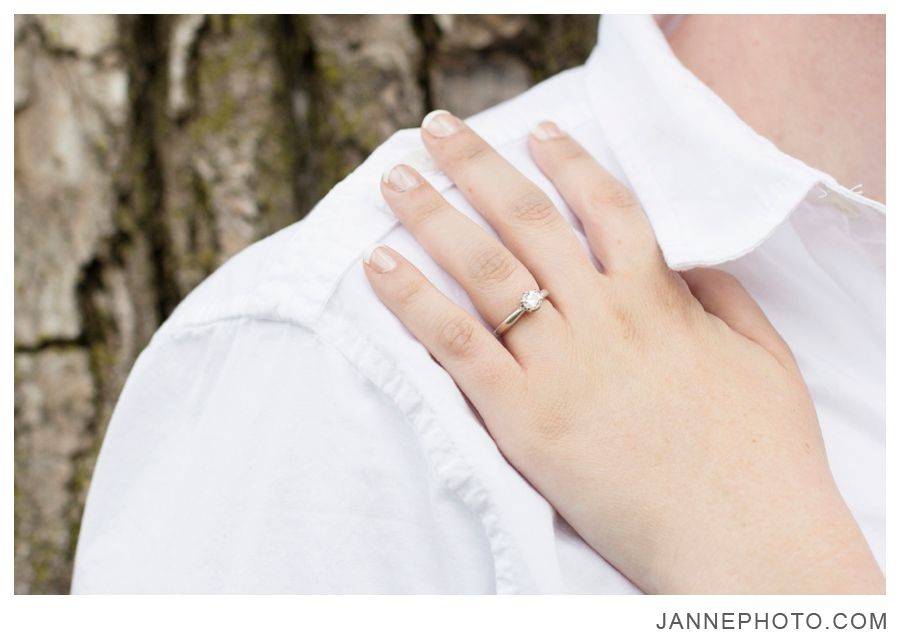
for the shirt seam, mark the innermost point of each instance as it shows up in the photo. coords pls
(437, 444)
(471, 492)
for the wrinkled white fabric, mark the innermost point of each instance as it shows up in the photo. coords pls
(283, 432)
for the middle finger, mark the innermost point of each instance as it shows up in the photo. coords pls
(520, 212)
(491, 275)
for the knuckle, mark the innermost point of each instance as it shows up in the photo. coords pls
(611, 195)
(532, 207)
(626, 324)
(572, 154)
(492, 265)
(457, 337)
(427, 208)
(467, 153)
(408, 293)
(474, 151)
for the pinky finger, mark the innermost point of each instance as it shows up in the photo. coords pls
(721, 294)
(477, 361)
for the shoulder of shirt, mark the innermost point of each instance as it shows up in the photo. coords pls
(290, 275)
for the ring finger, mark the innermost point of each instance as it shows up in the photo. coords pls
(521, 213)
(491, 275)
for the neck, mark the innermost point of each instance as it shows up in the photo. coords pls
(813, 85)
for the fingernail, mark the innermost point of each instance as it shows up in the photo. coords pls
(400, 178)
(441, 123)
(379, 259)
(546, 131)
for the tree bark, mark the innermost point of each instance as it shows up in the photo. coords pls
(150, 149)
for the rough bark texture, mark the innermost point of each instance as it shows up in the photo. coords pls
(150, 149)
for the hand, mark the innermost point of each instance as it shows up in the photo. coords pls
(659, 412)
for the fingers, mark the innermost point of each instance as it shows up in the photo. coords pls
(491, 275)
(614, 222)
(476, 360)
(522, 214)
(722, 295)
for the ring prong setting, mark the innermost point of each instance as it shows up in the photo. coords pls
(528, 303)
(532, 300)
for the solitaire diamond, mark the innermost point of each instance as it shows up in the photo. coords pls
(529, 303)
(532, 300)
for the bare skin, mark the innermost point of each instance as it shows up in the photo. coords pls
(659, 412)
(814, 85)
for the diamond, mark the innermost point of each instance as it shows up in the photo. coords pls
(532, 300)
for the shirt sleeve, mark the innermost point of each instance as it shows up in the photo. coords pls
(249, 456)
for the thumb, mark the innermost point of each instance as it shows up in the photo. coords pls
(721, 294)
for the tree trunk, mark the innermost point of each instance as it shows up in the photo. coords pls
(150, 149)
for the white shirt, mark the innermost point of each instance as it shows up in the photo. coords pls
(283, 432)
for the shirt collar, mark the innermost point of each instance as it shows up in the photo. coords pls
(713, 188)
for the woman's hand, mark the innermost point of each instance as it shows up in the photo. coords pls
(659, 412)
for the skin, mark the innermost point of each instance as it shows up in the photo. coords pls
(814, 85)
(665, 420)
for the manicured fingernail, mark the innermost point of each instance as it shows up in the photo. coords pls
(379, 259)
(400, 178)
(441, 123)
(546, 131)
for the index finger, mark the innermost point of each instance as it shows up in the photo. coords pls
(521, 213)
